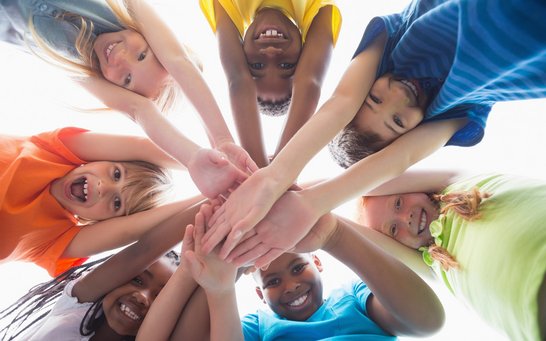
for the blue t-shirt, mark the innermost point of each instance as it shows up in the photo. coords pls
(58, 34)
(343, 316)
(476, 53)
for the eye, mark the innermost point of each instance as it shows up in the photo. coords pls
(298, 268)
(117, 203)
(375, 99)
(256, 66)
(397, 203)
(287, 66)
(127, 80)
(141, 56)
(396, 119)
(272, 283)
(137, 281)
(117, 174)
(392, 230)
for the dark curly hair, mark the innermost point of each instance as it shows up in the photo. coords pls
(38, 302)
(274, 109)
(350, 145)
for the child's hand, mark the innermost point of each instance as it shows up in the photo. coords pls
(245, 207)
(209, 271)
(320, 235)
(239, 157)
(288, 221)
(213, 173)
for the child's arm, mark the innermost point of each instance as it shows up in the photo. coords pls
(134, 259)
(253, 199)
(309, 75)
(117, 232)
(175, 59)
(217, 278)
(295, 213)
(401, 302)
(242, 90)
(417, 181)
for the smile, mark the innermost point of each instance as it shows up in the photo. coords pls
(411, 86)
(108, 50)
(129, 313)
(423, 222)
(298, 302)
(271, 35)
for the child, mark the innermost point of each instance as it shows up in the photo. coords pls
(274, 53)
(430, 66)
(59, 202)
(475, 229)
(392, 301)
(129, 58)
(108, 303)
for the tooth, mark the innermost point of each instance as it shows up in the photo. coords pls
(274, 32)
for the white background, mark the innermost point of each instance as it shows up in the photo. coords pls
(34, 97)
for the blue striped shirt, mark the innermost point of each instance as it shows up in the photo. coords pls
(480, 52)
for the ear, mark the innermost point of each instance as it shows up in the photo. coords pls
(317, 263)
(260, 294)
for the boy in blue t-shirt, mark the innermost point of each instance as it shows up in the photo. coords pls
(394, 301)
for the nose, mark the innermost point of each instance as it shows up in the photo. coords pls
(107, 187)
(291, 287)
(143, 297)
(271, 51)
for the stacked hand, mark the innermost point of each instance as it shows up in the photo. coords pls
(208, 270)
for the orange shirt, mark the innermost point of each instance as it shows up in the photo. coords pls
(34, 227)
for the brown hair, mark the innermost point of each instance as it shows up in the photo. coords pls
(350, 145)
(466, 204)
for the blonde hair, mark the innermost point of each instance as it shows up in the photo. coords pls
(466, 204)
(146, 186)
(87, 64)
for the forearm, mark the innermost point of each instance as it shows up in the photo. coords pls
(242, 93)
(305, 96)
(411, 305)
(194, 322)
(225, 321)
(167, 307)
(117, 232)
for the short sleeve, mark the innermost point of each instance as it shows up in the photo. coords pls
(53, 142)
(251, 327)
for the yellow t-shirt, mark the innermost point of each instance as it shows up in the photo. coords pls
(301, 12)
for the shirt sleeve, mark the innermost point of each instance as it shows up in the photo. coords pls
(251, 327)
(53, 141)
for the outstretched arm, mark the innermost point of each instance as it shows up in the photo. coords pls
(132, 260)
(242, 90)
(402, 303)
(309, 75)
(176, 60)
(117, 232)
(296, 213)
(255, 197)
(418, 181)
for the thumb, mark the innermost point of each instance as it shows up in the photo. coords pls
(217, 158)
(194, 266)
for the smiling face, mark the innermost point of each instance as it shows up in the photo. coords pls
(127, 60)
(393, 107)
(404, 217)
(291, 286)
(272, 45)
(126, 306)
(92, 191)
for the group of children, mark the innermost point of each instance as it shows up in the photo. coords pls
(419, 79)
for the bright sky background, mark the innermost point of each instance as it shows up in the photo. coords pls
(35, 97)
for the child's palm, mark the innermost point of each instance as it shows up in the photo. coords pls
(213, 174)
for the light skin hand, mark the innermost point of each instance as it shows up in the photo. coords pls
(290, 217)
(212, 273)
(238, 156)
(213, 173)
(233, 219)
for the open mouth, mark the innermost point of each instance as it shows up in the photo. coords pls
(78, 189)
(127, 311)
(298, 302)
(109, 49)
(410, 85)
(271, 34)
(422, 222)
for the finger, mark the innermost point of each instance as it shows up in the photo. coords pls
(199, 231)
(187, 241)
(218, 234)
(218, 158)
(243, 247)
(217, 213)
(267, 258)
(251, 166)
(206, 211)
(232, 240)
(251, 256)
